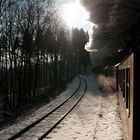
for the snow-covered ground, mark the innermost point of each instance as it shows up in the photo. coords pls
(24, 121)
(95, 118)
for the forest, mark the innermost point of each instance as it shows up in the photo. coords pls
(37, 52)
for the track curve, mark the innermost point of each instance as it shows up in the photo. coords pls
(55, 110)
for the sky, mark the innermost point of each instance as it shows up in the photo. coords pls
(76, 16)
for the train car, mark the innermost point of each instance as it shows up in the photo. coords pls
(128, 85)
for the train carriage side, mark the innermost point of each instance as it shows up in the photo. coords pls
(128, 82)
(125, 95)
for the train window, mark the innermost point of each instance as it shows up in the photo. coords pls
(128, 90)
(120, 83)
(124, 86)
(119, 80)
(123, 82)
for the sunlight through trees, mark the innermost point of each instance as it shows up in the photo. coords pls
(36, 56)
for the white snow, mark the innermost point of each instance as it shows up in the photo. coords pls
(95, 118)
(24, 121)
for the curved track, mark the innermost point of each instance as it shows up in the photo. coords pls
(44, 125)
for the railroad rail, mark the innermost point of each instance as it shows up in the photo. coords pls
(44, 125)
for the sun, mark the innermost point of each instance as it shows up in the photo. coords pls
(74, 14)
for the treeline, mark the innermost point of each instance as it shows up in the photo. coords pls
(36, 53)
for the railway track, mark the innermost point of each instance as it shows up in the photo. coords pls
(39, 129)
